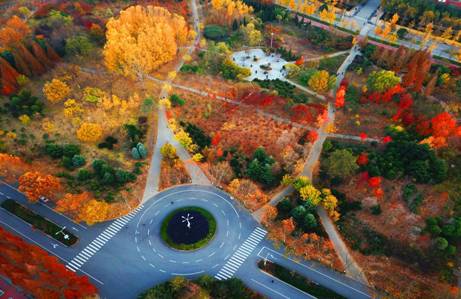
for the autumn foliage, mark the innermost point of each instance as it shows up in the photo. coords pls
(31, 56)
(56, 90)
(224, 12)
(142, 39)
(11, 166)
(38, 273)
(89, 132)
(34, 184)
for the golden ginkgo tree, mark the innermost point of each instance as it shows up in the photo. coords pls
(142, 39)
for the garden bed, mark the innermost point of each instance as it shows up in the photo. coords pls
(39, 222)
(203, 215)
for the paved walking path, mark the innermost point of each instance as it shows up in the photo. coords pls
(352, 268)
(165, 135)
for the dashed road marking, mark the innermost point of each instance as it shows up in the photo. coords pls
(91, 249)
(239, 257)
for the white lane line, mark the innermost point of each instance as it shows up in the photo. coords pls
(318, 272)
(263, 285)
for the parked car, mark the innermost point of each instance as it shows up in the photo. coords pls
(43, 199)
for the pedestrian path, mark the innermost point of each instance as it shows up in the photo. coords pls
(91, 249)
(239, 257)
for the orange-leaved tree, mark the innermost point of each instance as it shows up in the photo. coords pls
(34, 184)
(38, 273)
(142, 39)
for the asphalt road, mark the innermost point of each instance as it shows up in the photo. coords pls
(134, 258)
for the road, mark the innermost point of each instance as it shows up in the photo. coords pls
(133, 256)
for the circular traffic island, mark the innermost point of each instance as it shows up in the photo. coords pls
(188, 228)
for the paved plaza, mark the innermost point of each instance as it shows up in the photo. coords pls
(262, 66)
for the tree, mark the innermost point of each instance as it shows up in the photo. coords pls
(79, 44)
(89, 132)
(260, 168)
(311, 194)
(56, 90)
(252, 35)
(35, 184)
(142, 39)
(320, 81)
(24, 103)
(9, 77)
(341, 164)
(309, 221)
(168, 151)
(39, 274)
(93, 211)
(382, 81)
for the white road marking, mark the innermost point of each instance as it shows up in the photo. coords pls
(239, 257)
(316, 271)
(263, 285)
(91, 249)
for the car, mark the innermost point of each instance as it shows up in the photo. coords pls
(43, 199)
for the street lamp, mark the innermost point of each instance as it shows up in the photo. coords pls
(272, 38)
(66, 236)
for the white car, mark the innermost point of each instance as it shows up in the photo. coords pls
(43, 199)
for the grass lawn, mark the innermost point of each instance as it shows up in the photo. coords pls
(39, 222)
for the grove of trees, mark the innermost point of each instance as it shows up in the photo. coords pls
(142, 39)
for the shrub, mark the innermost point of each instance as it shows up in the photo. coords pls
(177, 100)
(78, 161)
(70, 150)
(376, 210)
(56, 90)
(134, 133)
(260, 168)
(83, 175)
(53, 150)
(232, 71)
(215, 32)
(309, 221)
(199, 137)
(24, 103)
(108, 143)
(79, 44)
(139, 152)
(89, 132)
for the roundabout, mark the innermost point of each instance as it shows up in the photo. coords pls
(217, 227)
(188, 228)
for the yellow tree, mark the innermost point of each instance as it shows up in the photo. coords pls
(93, 211)
(89, 132)
(319, 81)
(56, 90)
(142, 39)
(448, 33)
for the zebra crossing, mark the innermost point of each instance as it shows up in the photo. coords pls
(242, 253)
(91, 249)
